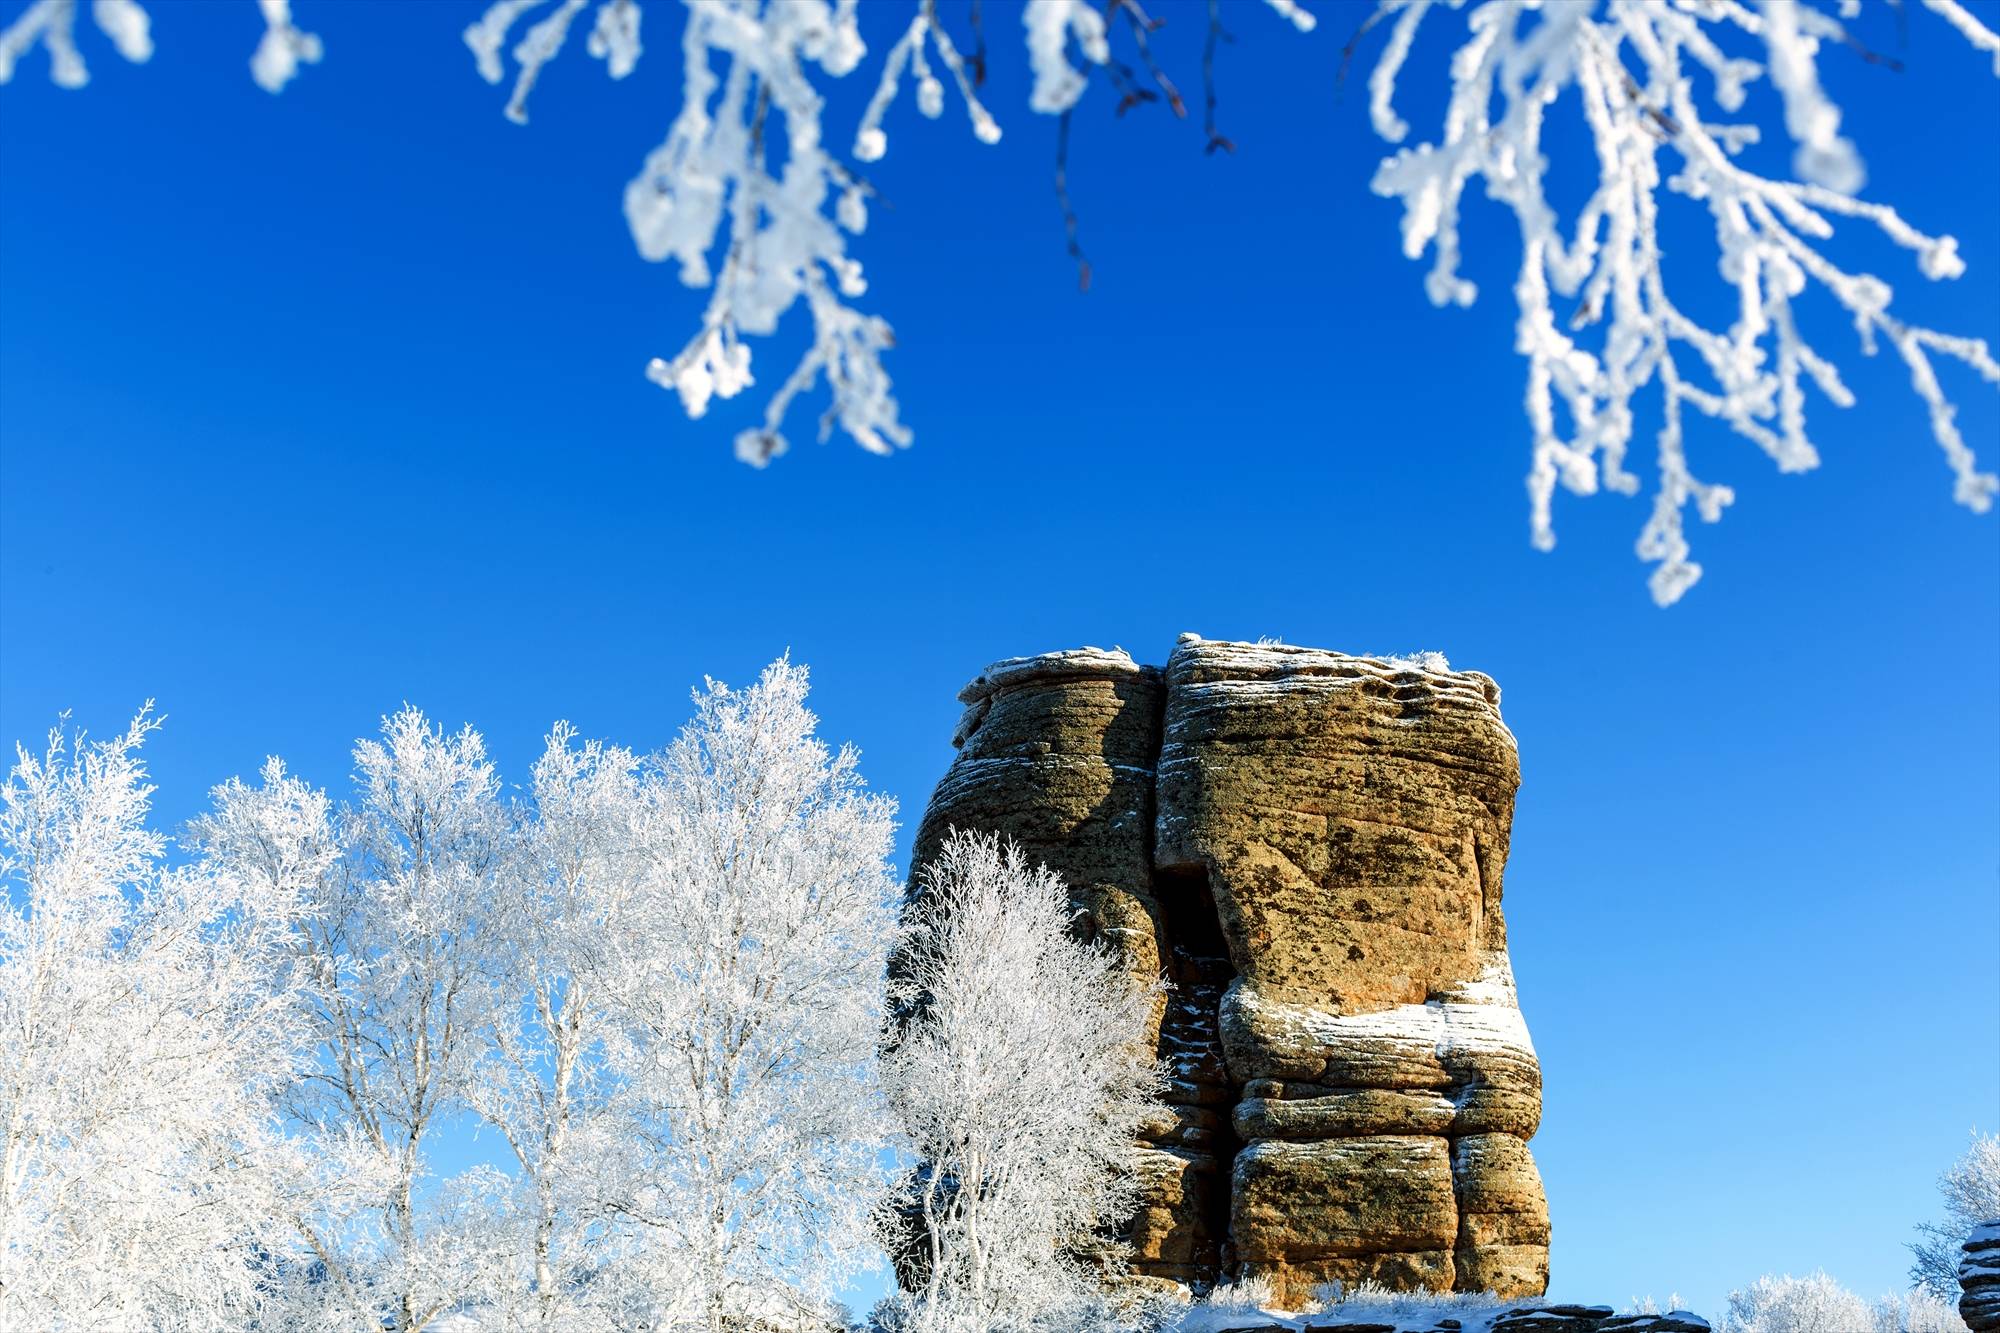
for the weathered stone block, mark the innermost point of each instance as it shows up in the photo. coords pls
(1342, 1197)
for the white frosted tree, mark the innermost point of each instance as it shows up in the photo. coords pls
(1971, 1190)
(752, 197)
(1020, 1074)
(659, 983)
(564, 1260)
(1818, 1304)
(569, 1253)
(402, 950)
(748, 974)
(146, 1029)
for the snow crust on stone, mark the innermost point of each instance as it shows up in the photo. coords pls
(1066, 664)
(1368, 1304)
(1477, 1017)
(1085, 663)
(1264, 663)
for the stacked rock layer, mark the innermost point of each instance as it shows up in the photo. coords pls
(1308, 848)
(1979, 1279)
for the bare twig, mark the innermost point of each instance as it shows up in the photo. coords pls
(1868, 53)
(1130, 94)
(1216, 33)
(976, 62)
(1354, 44)
(1068, 211)
(1143, 26)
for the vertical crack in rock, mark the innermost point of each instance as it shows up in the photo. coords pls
(1199, 1093)
(1308, 848)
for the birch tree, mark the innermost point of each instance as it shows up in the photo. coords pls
(402, 953)
(145, 1033)
(748, 973)
(1020, 1077)
(544, 1084)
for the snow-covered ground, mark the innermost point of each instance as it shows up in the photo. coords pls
(1248, 1306)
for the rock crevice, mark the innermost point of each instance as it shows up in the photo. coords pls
(1308, 848)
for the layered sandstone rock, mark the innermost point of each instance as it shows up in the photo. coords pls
(1308, 847)
(1979, 1279)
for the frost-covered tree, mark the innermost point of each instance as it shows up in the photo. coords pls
(1818, 1304)
(145, 1031)
(1020, 1073)
(401, 951)
(748, 971)
(1971, 1190)
(756, 198)
(544, 1084)
(1811, 1304)
(659, 983)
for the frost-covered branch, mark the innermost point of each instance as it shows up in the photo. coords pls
(747, 198)
(1632, 67)
(52, 25)
(763, 243)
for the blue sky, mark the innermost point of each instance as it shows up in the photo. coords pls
(316, 404)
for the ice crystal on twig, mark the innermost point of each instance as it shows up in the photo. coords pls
(1631, 66)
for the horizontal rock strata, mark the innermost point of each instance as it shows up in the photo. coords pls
(1309, 848)
(1979, 1279)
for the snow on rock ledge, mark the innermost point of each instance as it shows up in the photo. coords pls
(1377, 1315)
(1979, 1279)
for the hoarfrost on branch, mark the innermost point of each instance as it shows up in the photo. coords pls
(762, 238)
(52, 25)
(1633, 67)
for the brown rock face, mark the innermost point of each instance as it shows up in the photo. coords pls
(1308, 847)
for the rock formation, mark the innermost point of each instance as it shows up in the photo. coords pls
(1979, 1279)
(1308, 847)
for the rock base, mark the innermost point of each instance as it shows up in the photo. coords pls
(1512, 1319)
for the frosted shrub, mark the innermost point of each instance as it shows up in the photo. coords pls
(1225, 1306)
(1372, 1301)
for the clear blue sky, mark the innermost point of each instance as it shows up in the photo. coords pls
(316, 404)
